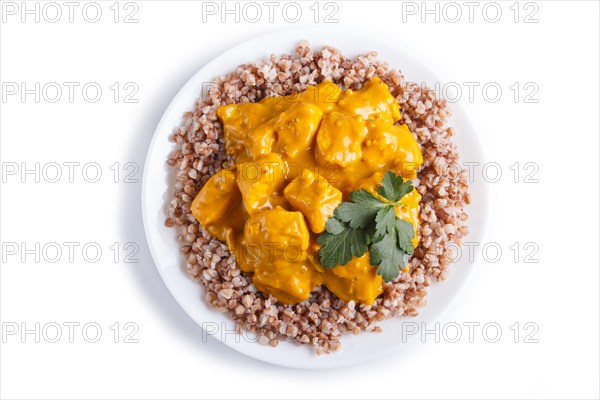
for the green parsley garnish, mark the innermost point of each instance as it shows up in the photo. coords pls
(369, 223)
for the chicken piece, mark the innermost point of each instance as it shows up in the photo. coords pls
(339, 139)
(325, 95)
(357, 280)
(295, 128)
(391, 147)
(261, 182)
(245, 134)
(314, 197)
(279, 235)
(216, 200)
(373, 101)
(289, 282)
(216, 197)
(274, 247)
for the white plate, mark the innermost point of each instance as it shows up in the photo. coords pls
(156, 191)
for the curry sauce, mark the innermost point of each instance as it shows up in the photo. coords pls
(296, 159)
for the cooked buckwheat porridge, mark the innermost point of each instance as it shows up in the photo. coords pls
(322, 319)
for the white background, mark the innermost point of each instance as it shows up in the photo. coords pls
(558, 54)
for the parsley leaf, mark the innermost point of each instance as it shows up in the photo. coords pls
(362, 211)
(370, 223)
(338, 248)
(388, 257)
(384, 222)
(335, 226)
(393, 187)
(405, 235)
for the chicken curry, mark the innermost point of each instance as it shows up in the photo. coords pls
(297, 158)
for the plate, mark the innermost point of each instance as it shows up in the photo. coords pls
(156, 190)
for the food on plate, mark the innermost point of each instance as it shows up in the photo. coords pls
(282, 214)
(317, 194)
